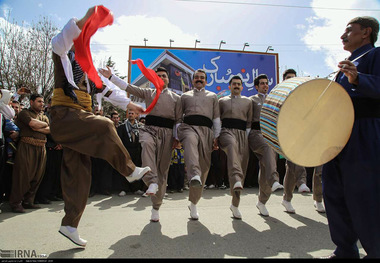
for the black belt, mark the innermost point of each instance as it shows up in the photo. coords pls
(234, 124)
(366, 108)
(255, 125)
(198, 120)
(159, 121)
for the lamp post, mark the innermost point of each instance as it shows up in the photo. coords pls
(245, 45)
(145, 40)
(221, 42)
(197, 41)
(171, 40)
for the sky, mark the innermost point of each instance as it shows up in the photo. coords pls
(304, 33)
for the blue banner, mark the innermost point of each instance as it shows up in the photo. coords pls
(220, 66)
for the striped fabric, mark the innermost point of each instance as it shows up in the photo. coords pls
(77, 74)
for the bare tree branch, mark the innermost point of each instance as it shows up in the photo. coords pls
(25, 56)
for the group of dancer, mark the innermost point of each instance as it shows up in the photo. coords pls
(202, 123)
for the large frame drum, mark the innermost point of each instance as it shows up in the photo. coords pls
(305, 122)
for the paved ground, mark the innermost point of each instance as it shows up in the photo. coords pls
(119, 227)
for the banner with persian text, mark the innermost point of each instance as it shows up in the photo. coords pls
(220, 66)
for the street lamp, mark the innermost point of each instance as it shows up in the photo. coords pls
(245, 45)
(221, 42)
(197, 41)
(145, 41)
(171, 40)
(270, 48)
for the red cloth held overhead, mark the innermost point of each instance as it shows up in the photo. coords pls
(100, 18)
(152, 76)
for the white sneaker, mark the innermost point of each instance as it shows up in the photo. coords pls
(288, 206)
(238, 187)
(235, 212)
(196, 181)
(138, 192)
(73, 236)
(193, 211)
(263, 210)
(122, 193)
(320, 207)
(152, 190)
(137, 174)
(303, 189)
(211, 186)
(276, 185)
(155, 217)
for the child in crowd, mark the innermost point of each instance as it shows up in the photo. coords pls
(176, 176)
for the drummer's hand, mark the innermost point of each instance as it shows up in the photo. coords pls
(350, 70)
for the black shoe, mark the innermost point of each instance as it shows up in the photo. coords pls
(108, 193)
(44, 201)
(30, 206)
(18, 209)
(55, 198)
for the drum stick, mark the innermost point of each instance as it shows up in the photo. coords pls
(320, 96)
(324, 91)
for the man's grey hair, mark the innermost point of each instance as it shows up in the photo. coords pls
(367, 21)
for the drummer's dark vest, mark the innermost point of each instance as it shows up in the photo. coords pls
(366, 108)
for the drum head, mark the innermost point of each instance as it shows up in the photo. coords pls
(313, 129)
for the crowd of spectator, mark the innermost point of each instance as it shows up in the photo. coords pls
(105, 179)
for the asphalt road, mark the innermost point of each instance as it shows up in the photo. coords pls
(120, 227)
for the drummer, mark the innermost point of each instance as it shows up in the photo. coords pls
(268, 177)
(351, 181)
